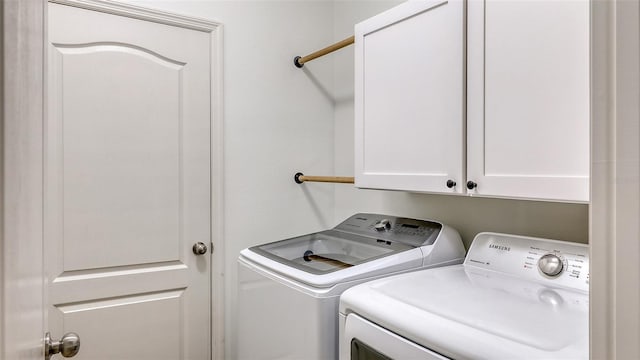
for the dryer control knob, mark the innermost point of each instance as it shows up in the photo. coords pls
(382, 225)
(550, 265)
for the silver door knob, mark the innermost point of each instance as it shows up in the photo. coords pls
(199, 248)
(68, 346)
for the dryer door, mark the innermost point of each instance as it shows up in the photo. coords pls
(365, 340)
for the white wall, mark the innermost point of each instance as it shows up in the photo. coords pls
(278, 120)
(468, 215)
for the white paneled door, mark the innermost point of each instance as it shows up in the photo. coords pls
(127, 185)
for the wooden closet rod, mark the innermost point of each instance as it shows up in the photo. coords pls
(300, 178)
(300, 60)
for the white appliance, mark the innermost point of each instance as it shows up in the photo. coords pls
(513, 298)
(288, 291)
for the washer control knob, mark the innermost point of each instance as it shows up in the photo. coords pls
(382, 225)
(550, 265)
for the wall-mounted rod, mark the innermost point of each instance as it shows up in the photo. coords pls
(309, 256)
(300, 178)
(300, 60)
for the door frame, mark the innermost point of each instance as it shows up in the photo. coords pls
(615, 180)
(23, 62)
(22, 315)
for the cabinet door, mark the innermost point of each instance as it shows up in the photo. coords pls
(409, 98)
(528, 99)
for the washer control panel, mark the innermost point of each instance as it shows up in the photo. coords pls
(408, 231)
(550, 261)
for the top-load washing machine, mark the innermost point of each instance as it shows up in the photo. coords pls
(288, 291)
(513, 298)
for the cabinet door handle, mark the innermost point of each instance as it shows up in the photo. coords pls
(471, 185)
(451, 183)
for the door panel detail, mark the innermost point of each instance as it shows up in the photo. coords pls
(111, 319)
(120, 157)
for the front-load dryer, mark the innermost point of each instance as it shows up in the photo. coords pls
(513, 298)
(288, 291)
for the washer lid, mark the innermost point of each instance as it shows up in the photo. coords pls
(465, 312)
(328, 251)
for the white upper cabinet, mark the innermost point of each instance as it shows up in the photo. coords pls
(528, 99)
(525, 106)
(409, 97)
